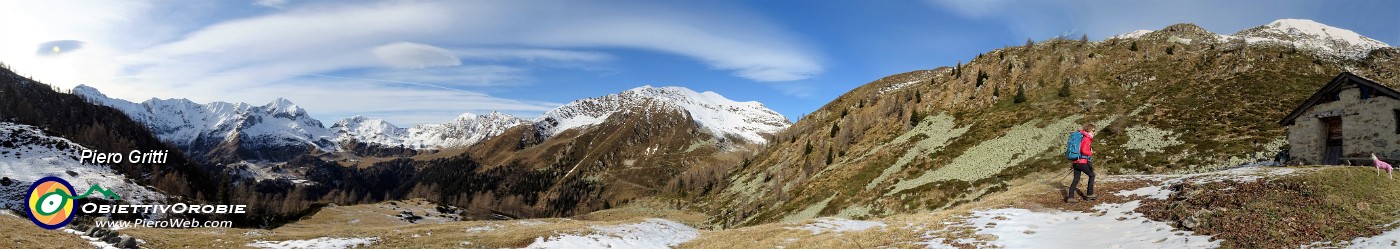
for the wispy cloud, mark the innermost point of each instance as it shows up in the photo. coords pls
(417, 47)
(414, 55)
(278, 4)
(531, 54)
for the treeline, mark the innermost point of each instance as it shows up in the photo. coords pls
(102, 128)
(509, 190)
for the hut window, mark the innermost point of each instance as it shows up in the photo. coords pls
(1367, 92)
(1397, 121)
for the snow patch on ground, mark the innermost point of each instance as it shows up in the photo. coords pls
(896, 87)
(486, 228)
(1240, 174)
(1389, 239)
(838, 225)
(322, 242)
(28, 154)
(1151, 192)
(92, 241)
(1117, 227)
(652, 233)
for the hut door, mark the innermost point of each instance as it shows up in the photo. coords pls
(1332, 152)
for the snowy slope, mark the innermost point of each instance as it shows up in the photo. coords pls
(1306, 35)
(465, 130)
(1115, 226)
(652, 233)
(322, 242)
(1132, 35)
(367, 130)
(1313, 36)
(196, 127)
(27, 154)
(192, 125)
(719, 115)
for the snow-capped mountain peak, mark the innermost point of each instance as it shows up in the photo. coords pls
(711, 111)
(1314, 28)
(201, 127)
(282, 105)
(464, 130)
(1311, 35)
(368, 130)
(1132, 35)
(1303, 34)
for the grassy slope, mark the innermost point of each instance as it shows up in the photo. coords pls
(1220, 101)
(378, 220)
(21, 233)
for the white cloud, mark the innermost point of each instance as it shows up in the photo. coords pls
(415, 55)
(531, 54)
(402, 105)
(472, 75)
(130, 52)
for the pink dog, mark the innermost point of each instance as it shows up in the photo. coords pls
(1382, 165)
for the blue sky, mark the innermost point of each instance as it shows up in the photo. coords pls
(413, 62)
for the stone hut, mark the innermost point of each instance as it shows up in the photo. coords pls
(1346, 121)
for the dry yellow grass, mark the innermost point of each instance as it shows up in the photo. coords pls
(21, 233)
(379, 221)
(1036, 192)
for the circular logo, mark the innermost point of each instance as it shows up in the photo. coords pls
(50, 204)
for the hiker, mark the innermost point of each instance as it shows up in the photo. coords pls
(1080, 155)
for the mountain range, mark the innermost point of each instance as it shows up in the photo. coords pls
(1178, 100)
(222, 132)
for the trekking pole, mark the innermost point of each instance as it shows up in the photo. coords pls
(1067, 174)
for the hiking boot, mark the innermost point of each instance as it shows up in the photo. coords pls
(1069, 195)
(1091, 197)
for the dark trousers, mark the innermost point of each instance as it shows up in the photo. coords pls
(1087, 169)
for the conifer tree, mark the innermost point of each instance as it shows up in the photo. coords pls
(981, 77)
(914, 118)
(1064, 90)
(1020, 94)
